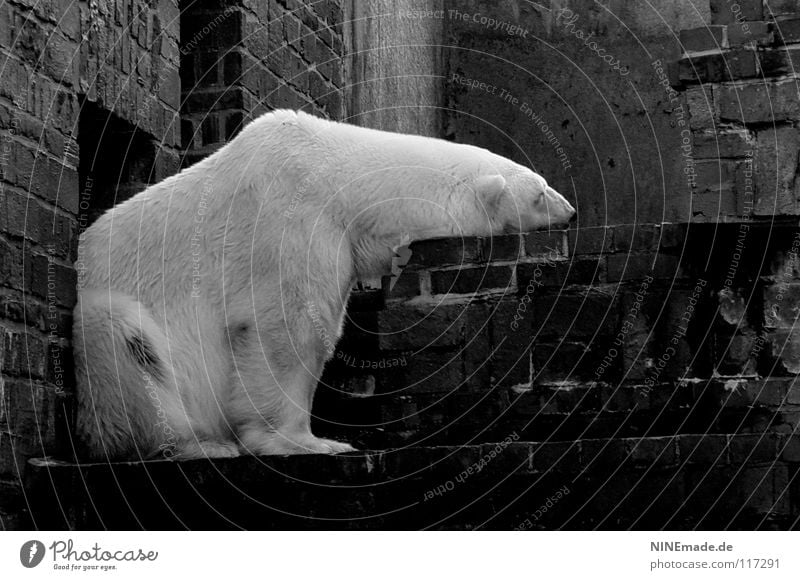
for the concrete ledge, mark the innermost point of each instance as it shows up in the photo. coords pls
(683, 482)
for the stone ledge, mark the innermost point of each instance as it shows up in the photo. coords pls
(489, 486)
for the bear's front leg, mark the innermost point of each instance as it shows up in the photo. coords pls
(275, 374)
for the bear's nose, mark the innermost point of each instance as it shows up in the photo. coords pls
(574, 217)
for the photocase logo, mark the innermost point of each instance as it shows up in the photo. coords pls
(31, 553)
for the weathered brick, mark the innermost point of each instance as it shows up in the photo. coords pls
(24, 354)
(727, 12)
(712, 206)
(701, 107)
(775, 171)
(551, 245)
(759, 102)
(723, 143)
(468, 280)
(714, 176)
(781, 305)
(780, 7)
(785, 350)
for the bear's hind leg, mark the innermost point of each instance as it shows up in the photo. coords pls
(272, 391)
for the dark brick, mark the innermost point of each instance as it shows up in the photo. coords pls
(444, 252)
(478, 346)
(567, 314)
(570, 362)
(468, 280)
(704, 38)
(788, 30)
(753, 448)
(234, 122)
(604, 454)
(407, 285)
(24, 354)
(53, 281)
(790, 448)
(647, 452)
(11, 265)
(551, 245)
(706, 449)
(425, 372)
(511, 344)
(637, 266)
(499, 248)
(636, 238)
(412, 327)
(780, 60)
(713, 67)
(585, 271)
(562, 457)
(212, 29)
(759, 33)
(593, 240)
(673, 236)
(722, 12)
(214, 100)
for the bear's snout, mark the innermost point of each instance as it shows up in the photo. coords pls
(560, 210)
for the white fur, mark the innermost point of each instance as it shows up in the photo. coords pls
(234, 272)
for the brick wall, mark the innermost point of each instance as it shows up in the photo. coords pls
(38, 233)
(80, 82)
(736, 78)
(242, 58)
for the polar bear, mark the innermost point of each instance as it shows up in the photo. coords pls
(205, 301)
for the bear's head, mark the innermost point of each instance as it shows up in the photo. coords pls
(521, 201)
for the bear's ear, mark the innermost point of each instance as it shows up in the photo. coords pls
(490, 189)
